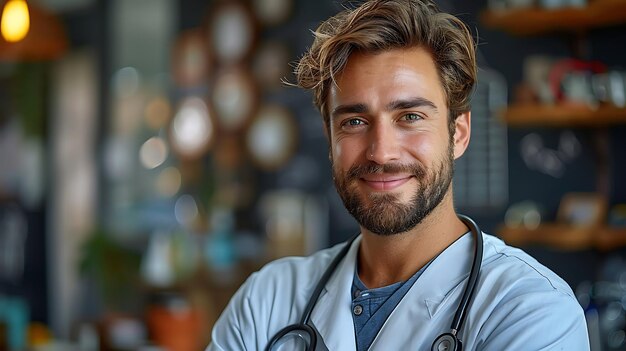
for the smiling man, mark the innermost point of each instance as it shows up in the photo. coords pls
(392, 80)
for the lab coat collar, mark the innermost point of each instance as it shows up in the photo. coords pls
(435, 290)
(332, 316)
(447, 270)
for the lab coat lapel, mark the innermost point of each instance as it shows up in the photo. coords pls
(417, 319)
(332, 314)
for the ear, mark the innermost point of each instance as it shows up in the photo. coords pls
(462, 132)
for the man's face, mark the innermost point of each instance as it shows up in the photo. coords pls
(391, 150)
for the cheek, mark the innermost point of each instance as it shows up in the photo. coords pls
(343, 153)
(422, 147)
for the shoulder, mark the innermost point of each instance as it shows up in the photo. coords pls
(524, 304)
(268, 300)
(511, 269)
(294, 270)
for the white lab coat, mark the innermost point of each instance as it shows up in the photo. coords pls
(518, 304)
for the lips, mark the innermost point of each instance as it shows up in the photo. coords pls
(385, 182)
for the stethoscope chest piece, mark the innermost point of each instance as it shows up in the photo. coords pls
(447, 342)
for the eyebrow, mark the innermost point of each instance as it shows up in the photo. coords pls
(410, 103)
(401, 104)
(351, 108)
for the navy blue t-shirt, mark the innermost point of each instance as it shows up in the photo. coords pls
(372, 307)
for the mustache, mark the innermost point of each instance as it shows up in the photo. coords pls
(358, 171)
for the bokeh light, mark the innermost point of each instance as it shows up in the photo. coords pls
(153, 153)
(169, 181)
(15, 20)
(157, 112)
(186, 210)
(192, 127)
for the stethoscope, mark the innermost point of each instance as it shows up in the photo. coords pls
(445, 342)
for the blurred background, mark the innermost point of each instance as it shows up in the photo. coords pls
(152, 157)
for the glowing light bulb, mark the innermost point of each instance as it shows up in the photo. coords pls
(15, 21)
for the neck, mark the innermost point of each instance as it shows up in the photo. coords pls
(385, 260)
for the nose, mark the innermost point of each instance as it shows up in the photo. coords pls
(384, 144)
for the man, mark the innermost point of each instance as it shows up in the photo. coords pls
(392, 80)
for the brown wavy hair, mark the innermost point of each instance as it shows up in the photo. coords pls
(380, 25)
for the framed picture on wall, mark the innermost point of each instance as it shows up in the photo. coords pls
(582, 209)
(232, 31)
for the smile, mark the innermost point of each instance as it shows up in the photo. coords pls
(385, 182)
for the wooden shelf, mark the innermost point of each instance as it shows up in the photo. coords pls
(533, 21)
(566, 237)
(562, 116)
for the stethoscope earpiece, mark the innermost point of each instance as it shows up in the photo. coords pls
(446, 342)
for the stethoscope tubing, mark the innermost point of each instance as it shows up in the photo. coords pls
(459, 316)
(468, 293)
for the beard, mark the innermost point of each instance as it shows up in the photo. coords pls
(384, 213)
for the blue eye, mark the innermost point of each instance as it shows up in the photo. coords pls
(412, 117)
(354, 122)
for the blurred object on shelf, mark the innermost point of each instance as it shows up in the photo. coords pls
(537, 156)
(536, 73)
(40, 335)
(580, 225)
(14, 316)
(156, 266)
(582, 209)
(617, 215)
(173, 323)
(577, 89)
(170, 257)
(45, 39)
(610, 87)
(570, 80)
(526, 214)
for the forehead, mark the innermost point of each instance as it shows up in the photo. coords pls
(386, 76)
